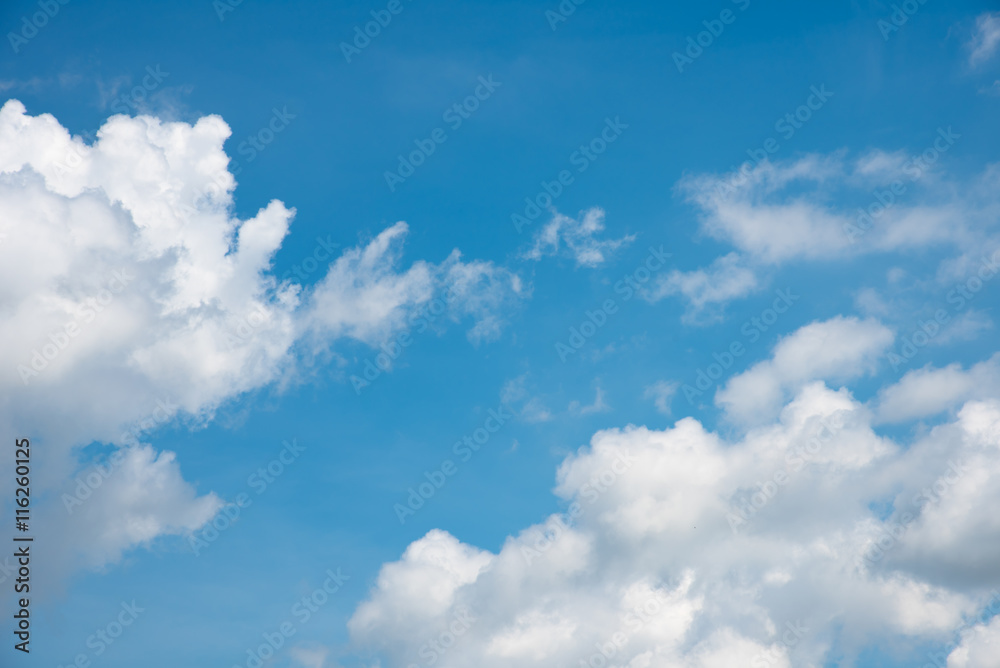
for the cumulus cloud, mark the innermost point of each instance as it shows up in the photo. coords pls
(145, 497)
(577, 239)
(727, 278)
(929, 391)
(680, 548)
(985, 38)
(836, 349)
(128, 285)
(416, 595)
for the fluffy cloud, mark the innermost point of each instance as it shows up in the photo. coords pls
(143, 498)
(680, 548)
(979, 648)
(578, 237)
(131, 290)
(928, 391)
(364, 296)
(836, 349)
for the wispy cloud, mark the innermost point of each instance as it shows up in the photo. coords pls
(706, 290)
(662, 393)
(985, 38)
(599, 405)
(577, 239)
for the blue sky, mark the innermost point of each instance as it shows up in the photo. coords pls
(644, 148)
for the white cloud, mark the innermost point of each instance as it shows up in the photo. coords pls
(985, 39)
(414, 597)
(482, 291)
(578, 237)
(792, 210)
(735, 209)
(836, 349)
(727, 278)
(946, 483)
(366, 297)
(980, 646)
(661, 392)
(871, 303)
(144, 498)
(127, 280)
(783, 211)
(928, 391)
(646, 564)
